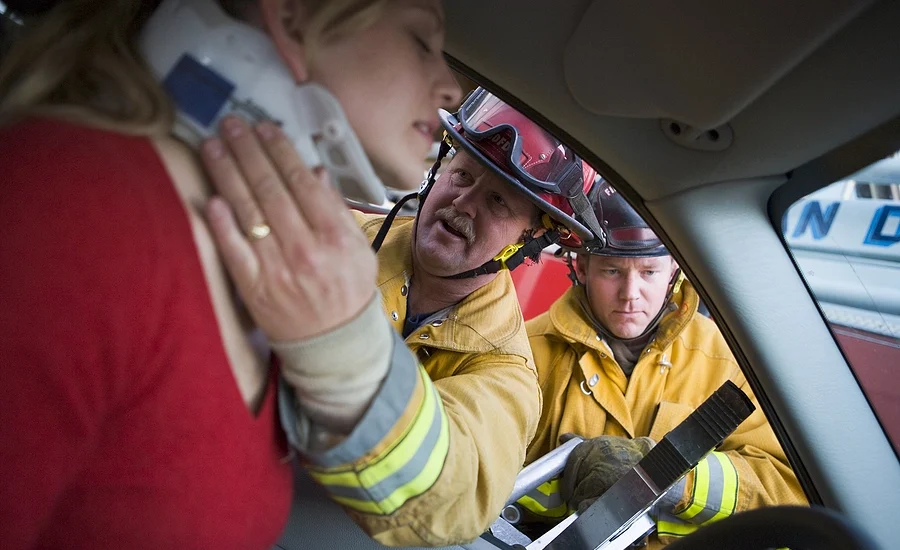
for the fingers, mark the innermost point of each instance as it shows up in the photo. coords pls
(571, 475)
(237, 253)
(254, 187)
(301, 280)
(319, 203)
(229, 182)
(645, 445)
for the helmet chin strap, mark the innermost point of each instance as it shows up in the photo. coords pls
(512, 256)
(422, 193)
(388, 220)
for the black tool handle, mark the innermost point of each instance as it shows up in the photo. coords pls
(701, 432)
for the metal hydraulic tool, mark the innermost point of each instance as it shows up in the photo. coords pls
(622, 515)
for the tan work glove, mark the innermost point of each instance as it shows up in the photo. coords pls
(596, 464)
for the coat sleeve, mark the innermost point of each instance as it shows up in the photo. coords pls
(749, 470)
(441, 474)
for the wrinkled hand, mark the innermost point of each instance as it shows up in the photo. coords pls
(315, 270)
(596, 464)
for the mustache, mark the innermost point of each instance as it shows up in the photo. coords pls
(460, 223)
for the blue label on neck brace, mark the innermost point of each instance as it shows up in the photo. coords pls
(198, 91)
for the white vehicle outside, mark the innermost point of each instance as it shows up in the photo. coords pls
(846, 240)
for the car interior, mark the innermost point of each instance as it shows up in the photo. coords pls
(713, 118)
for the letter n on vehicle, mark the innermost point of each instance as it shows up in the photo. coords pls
(813, 217)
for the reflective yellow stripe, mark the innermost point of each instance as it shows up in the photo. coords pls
(366, 506)
(404, 470)
(417, 486)
(700, 493)
(674, 529)
(535, 507)
(387, 462)
(545, 500)
(427, 476)
(549, 488)
(714, 495)
(531, 504)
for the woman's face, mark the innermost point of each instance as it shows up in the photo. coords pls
(391, 78)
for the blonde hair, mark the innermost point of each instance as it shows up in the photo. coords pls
(332, 19)
(80, 62)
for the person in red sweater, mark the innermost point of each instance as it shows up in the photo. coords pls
(136, 409)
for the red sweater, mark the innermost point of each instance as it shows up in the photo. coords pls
(121, 425)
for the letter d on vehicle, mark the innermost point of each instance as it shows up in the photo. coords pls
(885, 227)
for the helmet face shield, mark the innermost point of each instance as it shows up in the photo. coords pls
(634, 239)
(510, 138)
(626, 233)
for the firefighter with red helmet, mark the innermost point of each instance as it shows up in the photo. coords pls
(508, 190)
(622, 358)
(435, 452)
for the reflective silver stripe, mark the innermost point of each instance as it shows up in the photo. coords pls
(386, 409)
(405, 473)
(673, 496)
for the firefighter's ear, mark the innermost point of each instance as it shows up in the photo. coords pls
(286, 22)
(581, 266)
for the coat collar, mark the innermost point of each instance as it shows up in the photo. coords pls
(486, 320)
(572, 323)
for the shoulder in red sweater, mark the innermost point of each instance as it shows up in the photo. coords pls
(121, 423)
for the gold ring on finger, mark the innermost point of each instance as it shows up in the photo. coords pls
(259, 231)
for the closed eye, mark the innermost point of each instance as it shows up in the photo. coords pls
(422, 43)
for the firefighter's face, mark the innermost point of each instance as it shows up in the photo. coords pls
(470, 215)
(625, 294)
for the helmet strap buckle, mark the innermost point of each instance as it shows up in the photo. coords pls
(679, 279)
(548, 223)
(508, 252)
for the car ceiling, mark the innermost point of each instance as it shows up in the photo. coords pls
(789, 80)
